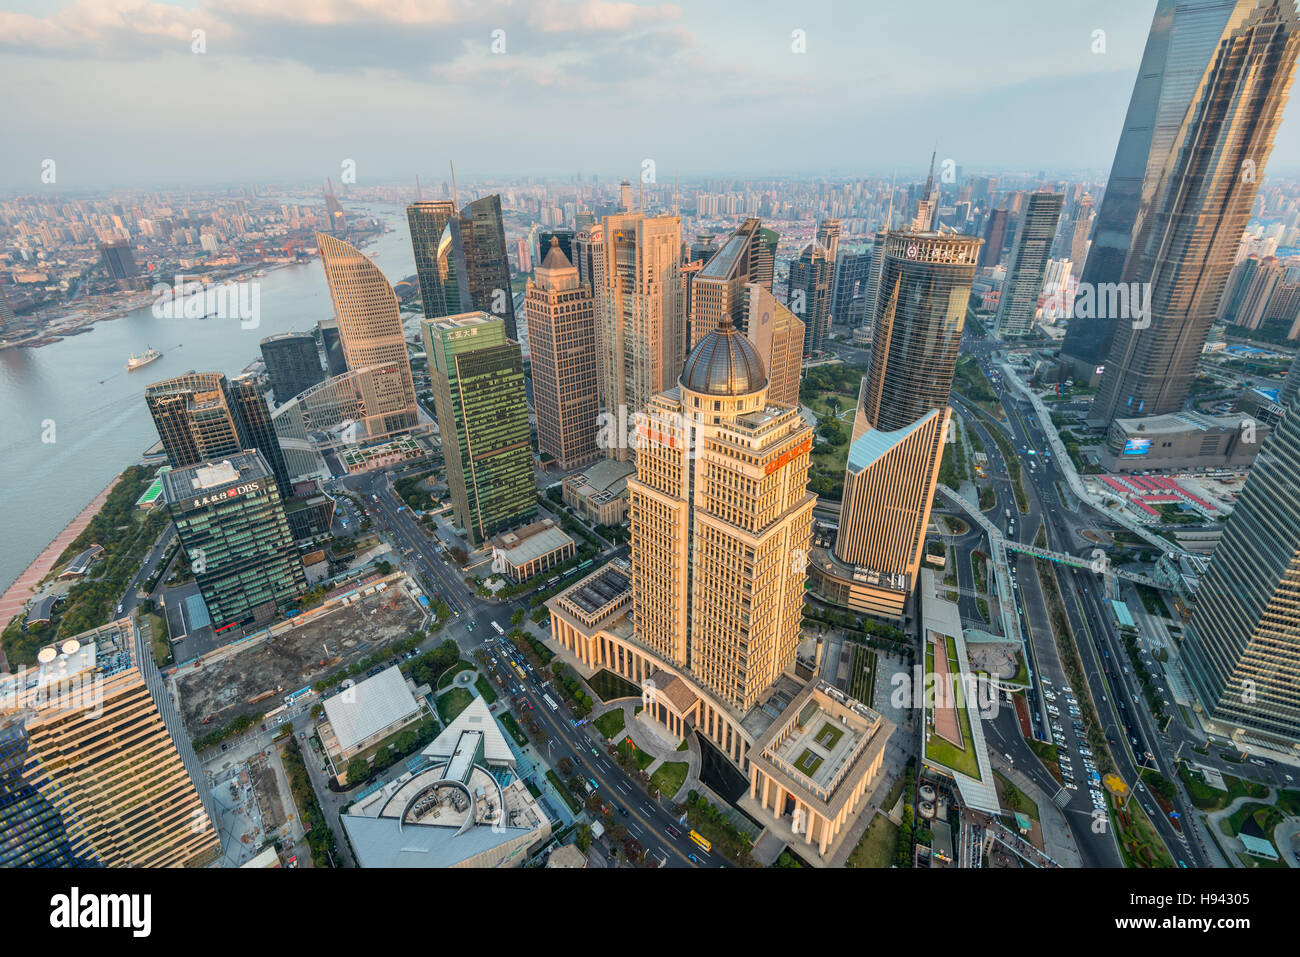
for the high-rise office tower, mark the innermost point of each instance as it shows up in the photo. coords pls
(777, 335)
(1187, 232)
(1079, 234)
(95, 767)
(704, 248)
(809, 298)
(901, 422)
(473, 266)
(231, 522)
(1290, 387)
(763, 258)
(720, 512)
(117, 259)
(370, 329)
(1181, 45)
(248, 400)
(995, 237)
(564, 239)
(639, 309)
(828, 234)
(561, 316)
(332, 344)
(194, 419)
(717, 289)
(428, 219)
(1241, 652)
(1029, 255)
(6, 311)
(585, 244)
(336, 221)
(873, 277)
(292, 364)
(625, 196)
(478, 391)
(848, 297)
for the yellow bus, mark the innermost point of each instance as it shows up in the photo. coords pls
(703, 842)
(520, 672)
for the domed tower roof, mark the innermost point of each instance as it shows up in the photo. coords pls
(723, 363)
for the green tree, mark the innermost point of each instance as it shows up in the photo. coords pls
(358, 770)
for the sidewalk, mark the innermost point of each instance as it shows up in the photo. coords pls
(648, 737)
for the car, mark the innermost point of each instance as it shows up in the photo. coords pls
(303, 735)
(1071, 785)
(692, 858)
(224, 747)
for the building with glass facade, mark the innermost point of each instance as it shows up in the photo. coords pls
(95, 766)
(478, 392)
(428, 219)
(472, 264)
(232, 525)
(292, 364)
(1241, 651)
(811, 278)
(1029, 253)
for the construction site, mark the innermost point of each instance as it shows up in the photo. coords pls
(254, 675)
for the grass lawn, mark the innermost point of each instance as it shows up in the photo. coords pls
(1207, 798)
(643, 758)
(876, 849)
(485, 689)
(610, 723)
(862, 675)
(449, 675)
(829, 736)
(685, 745)
(1026, 804)
(938, 749)
(1140, 845)
(453, 703)
(510, 724)
(669, 778)
(808, 762)
(1266, 816)
(1249, 861)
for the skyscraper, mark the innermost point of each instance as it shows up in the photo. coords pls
(777, 335)
(332, 345)
(901, 422)
(292, 364)
(1029, 254)
(248, 401)
(716, 531)
(640, 311)
(1186, 237)
(717, 288)
(995, 237)
(117, 259)
(848, 297)
(370, 329)
(95, 768)
(478, 391)
(428, 219)
(194, 419)
(828, 234)
(1183, 42)
(6, 311)
(1078, 253)
(231, 522)
(473, 266)
(811, 276)
(1241, 652)
(561, 316)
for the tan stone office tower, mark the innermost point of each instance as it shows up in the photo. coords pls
(640, 314)
(370, 330)
(721, 518)
(778, 335)
(561, 316)
(108, 773)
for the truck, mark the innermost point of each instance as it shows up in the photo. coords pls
(1008, 515)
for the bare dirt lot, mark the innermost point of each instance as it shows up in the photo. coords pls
(220, 691)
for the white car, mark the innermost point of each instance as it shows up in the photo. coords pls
(1071, 785)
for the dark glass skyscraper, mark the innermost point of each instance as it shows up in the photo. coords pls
(427, 220)
(809, 298)
(472, 264)
(1186, 234)
(292, 364)
(925, 283)
(995, 237)
(1029, 255)
(232, 525)
(248, 399)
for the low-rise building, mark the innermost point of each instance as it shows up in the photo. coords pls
(599, 494)
(524, 552)
(361, 716)
(463, 808)
(1182, 440)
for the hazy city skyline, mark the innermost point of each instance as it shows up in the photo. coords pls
(287, 91)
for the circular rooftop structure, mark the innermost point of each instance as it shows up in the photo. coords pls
(723, 363)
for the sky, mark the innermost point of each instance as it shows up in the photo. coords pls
(126, 93)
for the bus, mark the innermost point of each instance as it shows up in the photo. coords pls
(519, 670)
(701, 841)
(550, 702)
(498, 629)
(587, 564)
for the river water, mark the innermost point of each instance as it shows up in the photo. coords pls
(80, 390)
